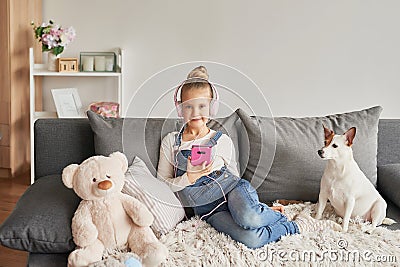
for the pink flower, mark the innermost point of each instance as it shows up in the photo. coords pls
(67, 35)
(53, 37)
(49, 40)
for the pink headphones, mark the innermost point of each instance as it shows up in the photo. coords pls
(214, 104)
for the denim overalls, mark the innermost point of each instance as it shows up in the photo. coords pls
(205, 194)
(242, 217)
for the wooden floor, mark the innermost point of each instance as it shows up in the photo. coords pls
(10, 192)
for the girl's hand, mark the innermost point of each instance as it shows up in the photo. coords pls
(280, 209)
(195, 172)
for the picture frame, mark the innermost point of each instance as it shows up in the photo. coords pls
(67, 102)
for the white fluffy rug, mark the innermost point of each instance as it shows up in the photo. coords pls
(195, 243)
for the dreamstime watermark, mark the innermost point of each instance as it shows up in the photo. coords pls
(341, 254)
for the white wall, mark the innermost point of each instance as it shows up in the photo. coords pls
(308, 57)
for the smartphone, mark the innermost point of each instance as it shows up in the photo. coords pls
(200, 154)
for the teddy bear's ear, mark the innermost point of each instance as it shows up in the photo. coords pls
(121, 159)
(68, 174)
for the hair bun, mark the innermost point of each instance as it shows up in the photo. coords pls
(198, 72)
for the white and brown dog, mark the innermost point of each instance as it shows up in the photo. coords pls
(344, 184)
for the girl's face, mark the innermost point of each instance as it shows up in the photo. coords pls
(196, 106)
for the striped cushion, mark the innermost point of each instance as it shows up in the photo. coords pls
(155, 194)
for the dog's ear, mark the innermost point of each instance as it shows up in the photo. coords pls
(328, 133)
(350, 134)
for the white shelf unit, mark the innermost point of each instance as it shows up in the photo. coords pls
(40, 70)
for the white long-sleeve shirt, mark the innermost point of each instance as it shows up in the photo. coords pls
(223, 153)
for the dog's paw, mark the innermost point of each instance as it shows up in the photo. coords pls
(388, 221)
(370, 229)
(336, 227)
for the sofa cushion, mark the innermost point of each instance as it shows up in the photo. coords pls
(142, 136)
(41, 220)
(388, 141)
(284, 163)
(155, 194)
(75, 137)
(389, 178)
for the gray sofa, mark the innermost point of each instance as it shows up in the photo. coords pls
(40, 222)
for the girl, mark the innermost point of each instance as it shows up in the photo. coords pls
(215, 191)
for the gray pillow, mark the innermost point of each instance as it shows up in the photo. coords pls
(285, 164)
(142, 136)
(389, 182)
(41, 220)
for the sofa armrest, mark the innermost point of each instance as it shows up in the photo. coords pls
(389, 182)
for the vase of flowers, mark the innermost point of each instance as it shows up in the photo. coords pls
(54, 39)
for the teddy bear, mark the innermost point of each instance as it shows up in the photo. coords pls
(106, 218)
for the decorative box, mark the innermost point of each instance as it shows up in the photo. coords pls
(98, 61)
(106, 109)
(67, 64)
